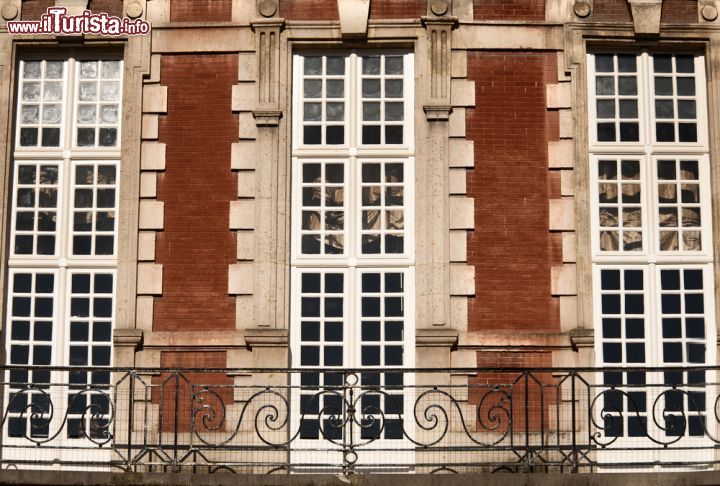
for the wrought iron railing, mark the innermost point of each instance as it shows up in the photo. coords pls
(358, 421)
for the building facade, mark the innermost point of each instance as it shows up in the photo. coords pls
(387, 196)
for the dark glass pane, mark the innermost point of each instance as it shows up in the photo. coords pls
(634, 328)
(394, 134)
(22, 282)
(85, 137)
(333, 331)
(604, 63)
(633, 280)
(310, 282)
(333, 283)
(370, 134)
(333, 356)
(370, 355)
(371, 331)
(662, 63)
(694, 304)
(334, 135)
(634, 304)
(672, 352)
(333, 307)
(670, 304)
(28, 137)
(629, 132)
(670, 279)
(393, 355)
(309, 355)
(103, 283)
(671, 328)
(606, 132)
(312, 135)
(635, 352)
(610, 304)
(687, 132)
(612, 353)
(611, 328)
(310, 307)
(610, 279)
(108, 137)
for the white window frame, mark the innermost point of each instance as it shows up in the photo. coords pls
(651, 260)
(63, 264)
(352, 262)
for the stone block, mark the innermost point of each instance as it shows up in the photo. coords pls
(246, 183)
(152, 214)
(568, 312)
(461, 153)
(148, 184)
(244, 96)
(561, 154)
(456, 181)
(146, 246)
(569, 247)
(563, 280)
(241, 278)
(243, 155)
(567, 125)
(248, 127)
(154, 98)
(462, 279)
(152, 156)
(562, 214)
(149, 279)
(462, 92)
(458, 68)
(567, 182)
(149, 127)
(144, 312)
(456, 123)
(242, 214)
(247, 66)
(458, 246)
(245, 245)
(462, 212)
(459, 313)
(559, 95)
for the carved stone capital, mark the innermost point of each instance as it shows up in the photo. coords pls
(439, 45)
(438, 337)
(266, 338)
(581, 337)
(267, 118)
(353, 17)
(127, 338)
(646, 16)
(437, 112)
(74, 7)
(267, 40)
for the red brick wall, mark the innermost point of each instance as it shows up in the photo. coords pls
(679, 11)
(110, 7)
(511, 248)
(200, 10)
(397, 9)
(309, 9)
(509, 9)
(197, 186)
(33, 9)
(611, 11)
(167, 383)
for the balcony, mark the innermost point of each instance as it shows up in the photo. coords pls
(416, 421)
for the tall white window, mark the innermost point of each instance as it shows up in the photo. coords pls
(652, 240)
(352, 234)
(63, 246)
